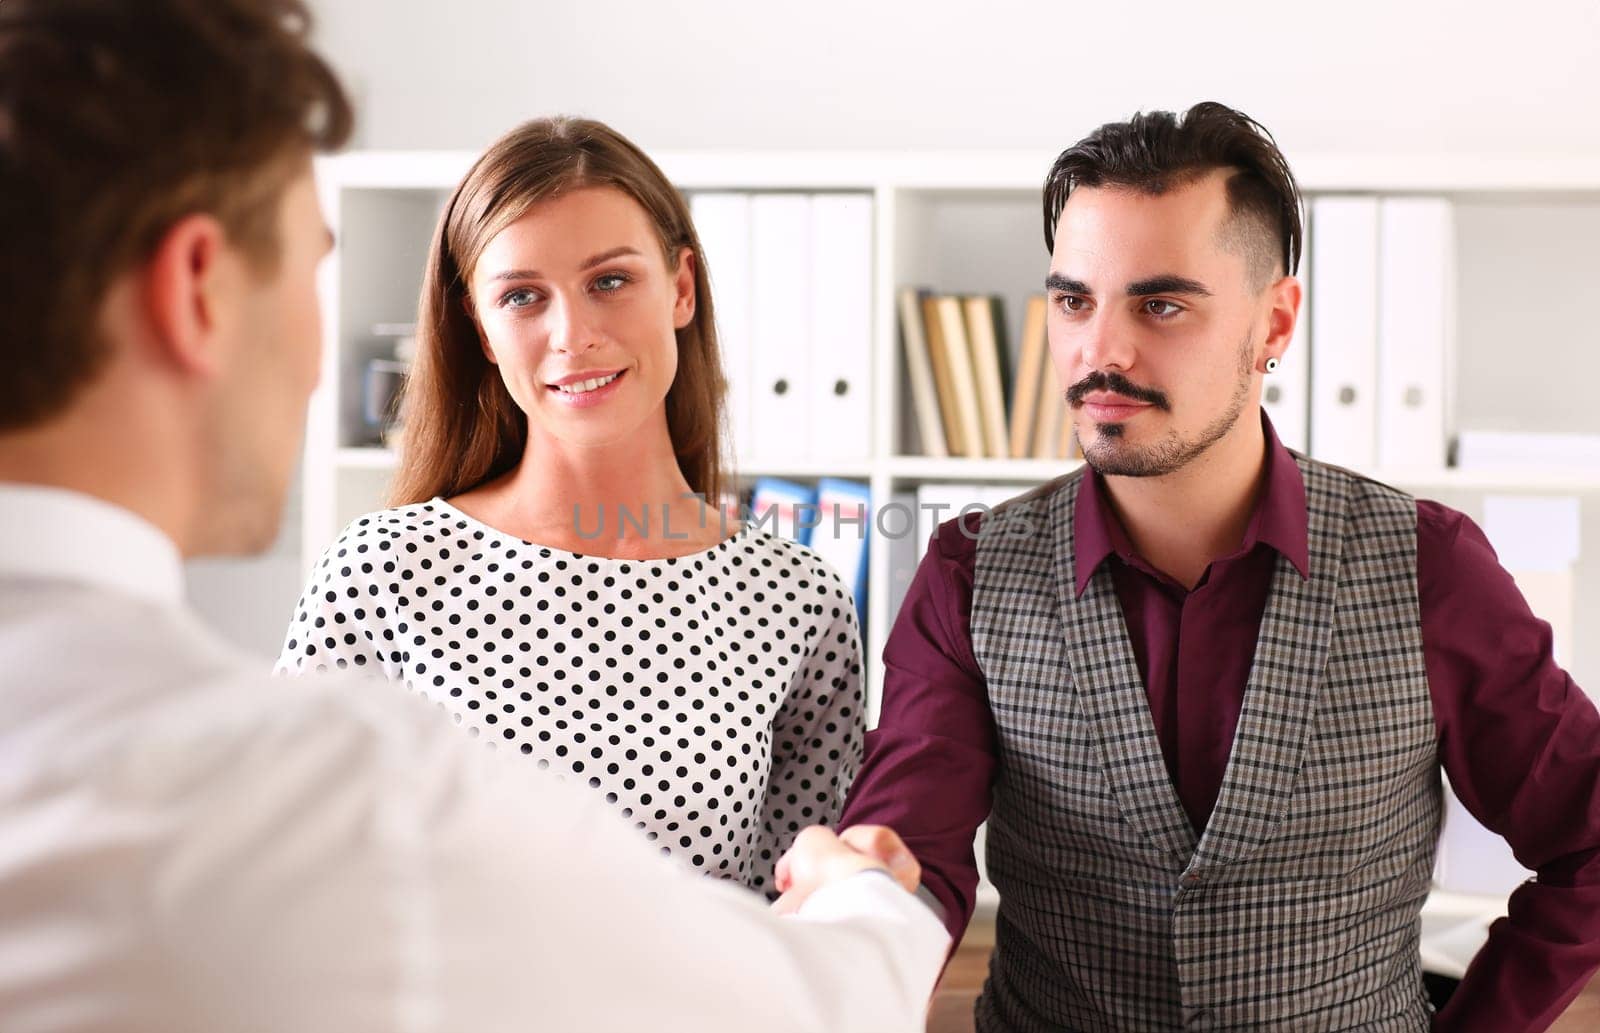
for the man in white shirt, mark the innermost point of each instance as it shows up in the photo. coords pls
(186, 844)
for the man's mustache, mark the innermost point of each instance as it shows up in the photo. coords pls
(1117, 384)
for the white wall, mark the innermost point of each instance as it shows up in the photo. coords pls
(1372, 76)
(1353, 75)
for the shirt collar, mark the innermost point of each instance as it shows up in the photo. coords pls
(1279, 521)
(65, 535)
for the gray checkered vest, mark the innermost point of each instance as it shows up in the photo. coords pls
(1298, 908)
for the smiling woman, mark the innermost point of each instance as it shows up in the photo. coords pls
(543, 192)
(548, 573)
(593, 333)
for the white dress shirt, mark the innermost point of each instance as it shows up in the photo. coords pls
(188, 844)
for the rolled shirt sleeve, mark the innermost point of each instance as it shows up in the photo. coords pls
(1521, 745)
(930, 762)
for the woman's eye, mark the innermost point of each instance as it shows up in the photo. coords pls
(522, 297)
(1161, 309)
(610, 282)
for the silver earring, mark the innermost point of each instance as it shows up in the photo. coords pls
(1272, 365)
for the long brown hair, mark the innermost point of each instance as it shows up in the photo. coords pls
(462, 427)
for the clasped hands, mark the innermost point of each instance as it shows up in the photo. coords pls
(819, 858)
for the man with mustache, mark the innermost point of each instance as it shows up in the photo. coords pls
(1203, 689)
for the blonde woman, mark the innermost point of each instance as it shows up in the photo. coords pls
(548, 572)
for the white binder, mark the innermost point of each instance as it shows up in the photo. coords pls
(1416, 300)
(722, 221)
(1286, 394)
(941, 501)
(780, 319)
(1344, 330)
(841, 326)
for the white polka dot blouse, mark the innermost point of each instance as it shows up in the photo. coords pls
(715, 698)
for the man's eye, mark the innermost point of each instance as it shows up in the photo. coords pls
(1071, 302)
(1161, 309)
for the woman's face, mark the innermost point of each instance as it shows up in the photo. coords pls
(577, 307)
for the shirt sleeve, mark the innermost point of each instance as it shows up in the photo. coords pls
(1521, 744)
(340, 622)
(930, 763)
(346, 865)
(816, 738)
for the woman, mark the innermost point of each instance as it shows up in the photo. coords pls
(548, 572)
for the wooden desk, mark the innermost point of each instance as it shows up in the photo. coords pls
(951, 1010)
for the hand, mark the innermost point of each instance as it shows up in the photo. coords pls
(818, 858)
(885, 844)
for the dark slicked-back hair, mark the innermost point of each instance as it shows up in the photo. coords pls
(1157, 150)
(117, 119)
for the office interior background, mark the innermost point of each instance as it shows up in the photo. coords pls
(941, 119)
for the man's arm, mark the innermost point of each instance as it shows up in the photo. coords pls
(359, 865)
(931, 760)
(1521, 744)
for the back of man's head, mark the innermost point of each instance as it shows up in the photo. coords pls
(117, 119)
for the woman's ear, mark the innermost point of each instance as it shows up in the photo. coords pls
(683, 283)
(471, 312)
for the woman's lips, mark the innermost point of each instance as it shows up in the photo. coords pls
(589, 399)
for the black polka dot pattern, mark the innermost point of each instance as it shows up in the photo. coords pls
(715, 699)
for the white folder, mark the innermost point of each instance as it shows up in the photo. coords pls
(722, 221)
(841, 326)
(780, 319)
(1527, 450)
(941, 501)
(898, 528)
(1416, 300)
(1286, 393)
(1344, 330)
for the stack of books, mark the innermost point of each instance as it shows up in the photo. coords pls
(967, 399)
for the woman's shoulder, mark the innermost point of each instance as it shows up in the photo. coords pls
(409, 528)
(785, 559)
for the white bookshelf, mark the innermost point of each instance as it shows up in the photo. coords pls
(970, 222)
(964, 222)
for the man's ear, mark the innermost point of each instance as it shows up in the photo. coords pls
(1285, 298)
(184, 286)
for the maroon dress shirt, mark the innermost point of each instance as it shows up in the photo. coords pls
(1518, 739)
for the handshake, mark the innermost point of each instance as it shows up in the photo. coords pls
(820, 858)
